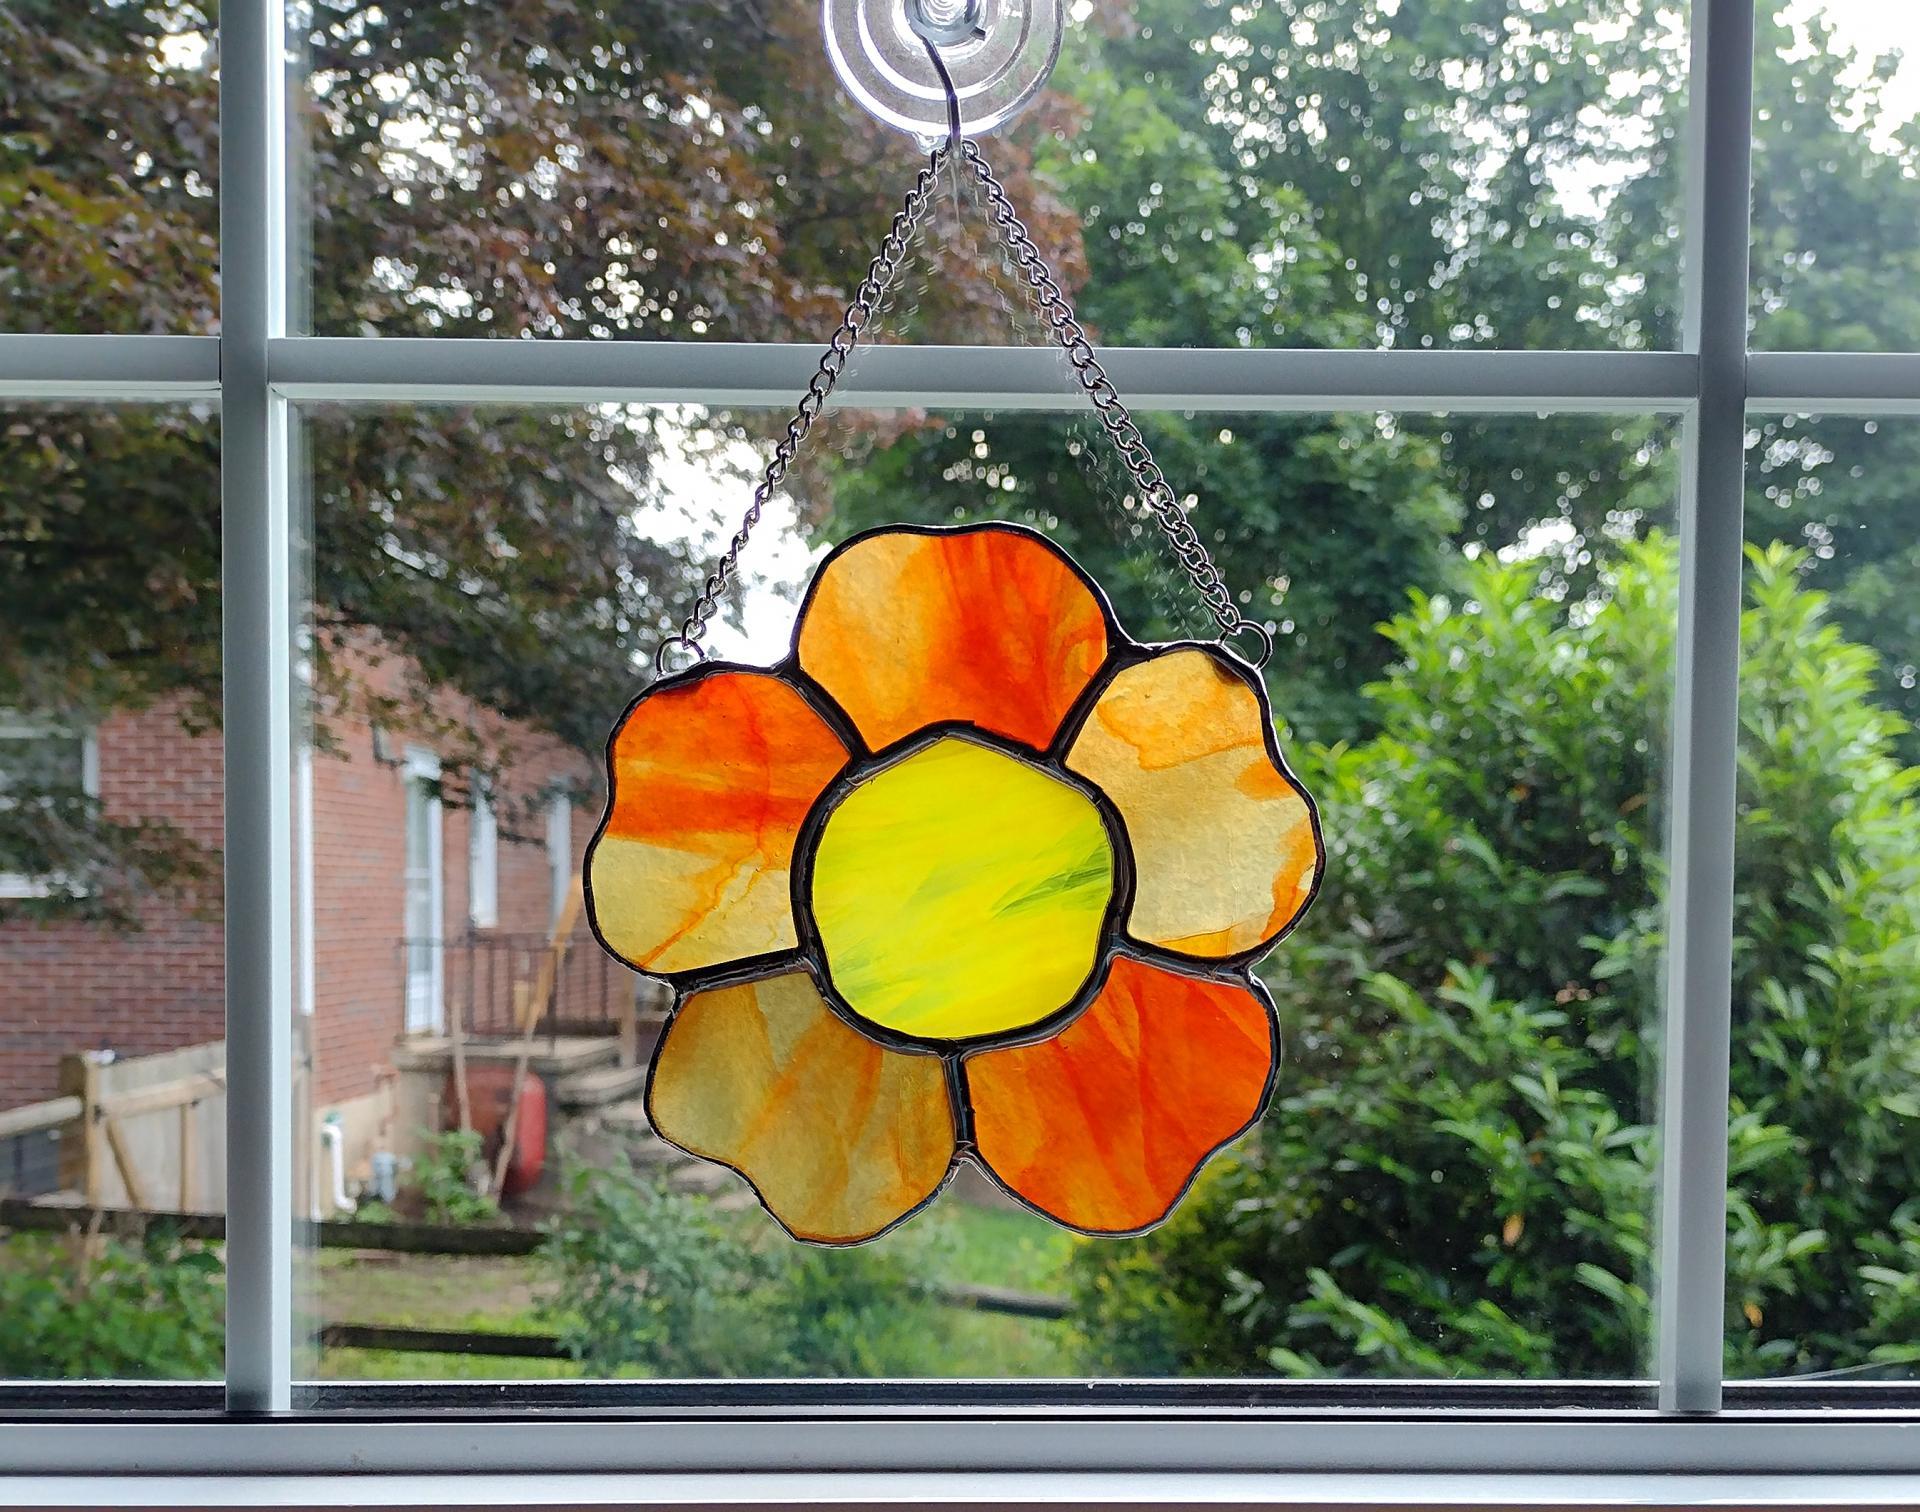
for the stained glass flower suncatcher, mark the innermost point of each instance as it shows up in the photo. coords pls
(969, 875)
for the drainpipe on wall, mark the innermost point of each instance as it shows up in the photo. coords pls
(331, 1137)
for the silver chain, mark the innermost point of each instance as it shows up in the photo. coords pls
(880, 275)
(1155, 491)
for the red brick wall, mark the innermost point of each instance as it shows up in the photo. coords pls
(71, 986)
(359, 813)
(360, 880)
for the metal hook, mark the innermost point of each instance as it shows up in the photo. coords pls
(946, 83)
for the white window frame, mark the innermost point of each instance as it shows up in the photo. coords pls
(1692, 1440)
(22, 885)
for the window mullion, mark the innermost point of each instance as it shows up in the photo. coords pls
(257, 671)
(348, 369)
(1691, 1274)
(1853, 383)
(37, 366)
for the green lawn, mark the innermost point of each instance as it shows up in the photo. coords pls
(982, 1245)
(1007, 1247)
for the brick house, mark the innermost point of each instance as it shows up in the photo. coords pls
(417, 900)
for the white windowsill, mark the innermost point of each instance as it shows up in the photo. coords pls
(773, 1491)
(727, 1445)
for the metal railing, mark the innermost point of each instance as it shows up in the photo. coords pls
(487, 977)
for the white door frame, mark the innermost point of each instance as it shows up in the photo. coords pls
(426, 1011)
(559, 854)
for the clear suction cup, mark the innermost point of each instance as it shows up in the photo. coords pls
(1000, 53)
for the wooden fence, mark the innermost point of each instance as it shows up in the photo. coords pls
(142, 1133)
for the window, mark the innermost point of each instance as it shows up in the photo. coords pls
(483, 863)
(1585, 555)
(1828, 1007)
(50, 762)
(112, 1053)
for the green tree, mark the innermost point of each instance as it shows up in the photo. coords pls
(1835, 267)
(593, 171)
(1345, 173)
(1836, 233)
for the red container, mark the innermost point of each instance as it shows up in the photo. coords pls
(489, 1089)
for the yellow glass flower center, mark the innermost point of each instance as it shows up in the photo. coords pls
(961, 892)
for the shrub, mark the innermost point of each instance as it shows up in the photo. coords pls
(444, 1173)
(1457, 1177)
(660, 1281)
(75, 1309)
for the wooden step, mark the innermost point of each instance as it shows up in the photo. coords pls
(600, 1087)
(702, 1177)
(652, 1153)
(551, 1058)
(626, 1117)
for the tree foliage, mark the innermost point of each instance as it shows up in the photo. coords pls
(1457, 1176)
(1349, 173)
(503, 170)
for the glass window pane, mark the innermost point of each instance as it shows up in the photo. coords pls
(112, 1055)
(108, 167)
(1359, 173)
(1836, 177)
(35, 754)
(1454, 1179)
(1824, 1237)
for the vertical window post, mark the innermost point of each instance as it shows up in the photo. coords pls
(1692, 1222)
(257, 612)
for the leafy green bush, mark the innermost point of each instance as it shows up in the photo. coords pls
(72, 1309)
(1826, 1014)
(647, 1278)
(651, 1279)
(863, 1312)
(1457, 1177)
(443, 1171)
(1893, 1290)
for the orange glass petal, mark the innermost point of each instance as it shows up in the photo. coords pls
(1225, 847)
(840, 1135)
(1102, 1126)
(712, 776)
(989, 624)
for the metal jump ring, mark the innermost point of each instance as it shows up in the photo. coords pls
(686, 643)
(1261, 652)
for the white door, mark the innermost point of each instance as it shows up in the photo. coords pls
(425, 951)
